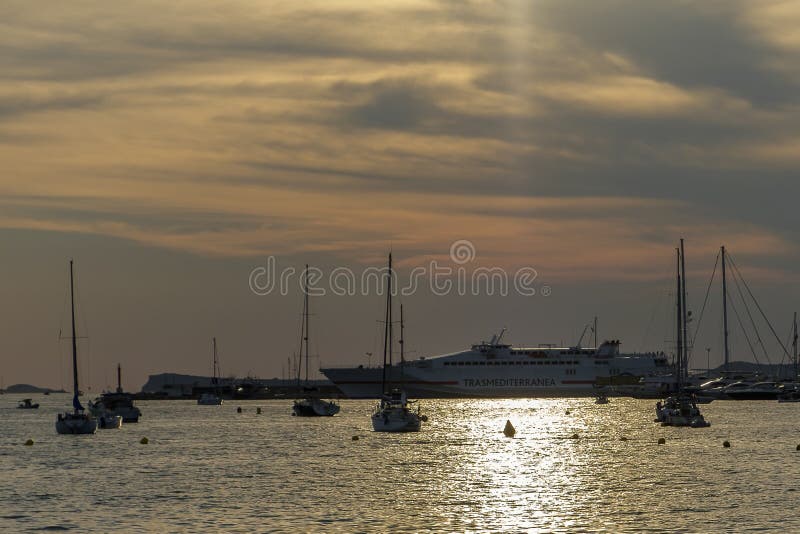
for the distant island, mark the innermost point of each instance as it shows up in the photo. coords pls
(28, 388)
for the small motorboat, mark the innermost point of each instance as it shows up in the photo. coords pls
(107, 421)
(314, 407)
(680, 410)
(27, 404)
(209, 399)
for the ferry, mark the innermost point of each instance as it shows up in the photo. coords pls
(495, 369)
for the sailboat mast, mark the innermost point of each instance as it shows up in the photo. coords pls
(594, 328)
(119, 378)
(402, 332)
(678, 327)
(724, 308)
(683, 314)
(402, 345)
(794, 348)
(305, 319)
(386, 325)
(214, 361)
(74, 338)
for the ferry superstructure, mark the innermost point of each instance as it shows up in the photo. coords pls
(495, 369)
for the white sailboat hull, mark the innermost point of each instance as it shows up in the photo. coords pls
(70, 423)
(395, 419)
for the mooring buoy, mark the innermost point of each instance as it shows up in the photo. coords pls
(258, 410)
(355, 438)
(144, 441)
(29, 442)
(509, 430)
(661, 441)
(726, 444)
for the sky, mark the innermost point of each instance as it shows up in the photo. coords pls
(171, 149)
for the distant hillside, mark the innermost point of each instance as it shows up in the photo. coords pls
(27, 388)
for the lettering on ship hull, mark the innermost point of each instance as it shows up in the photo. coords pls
(508, 382)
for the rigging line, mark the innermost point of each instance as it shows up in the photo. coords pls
(705, 300)
(788, 342)
(61, 357)
(739, 319)
(665, 291)
(650, 323)
(752, 321)
(785, 350)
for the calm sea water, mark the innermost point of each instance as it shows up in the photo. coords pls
(210, 468)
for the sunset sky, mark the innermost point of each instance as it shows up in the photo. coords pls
(169, 148)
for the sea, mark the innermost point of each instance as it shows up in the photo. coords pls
(573, 466)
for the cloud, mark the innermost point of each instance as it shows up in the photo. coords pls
(341, 126)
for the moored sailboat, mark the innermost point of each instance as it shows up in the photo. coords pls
(681, 408)
(393, 413)
(310, 405)
(212, 398)
(76, 421)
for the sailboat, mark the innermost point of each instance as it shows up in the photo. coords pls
(681, 408)
(212, 398)
(116, 403)
(76, 421)
(393, 413)
(309, 405)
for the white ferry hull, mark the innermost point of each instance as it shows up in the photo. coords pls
(501, 372)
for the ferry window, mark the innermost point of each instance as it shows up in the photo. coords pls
(482, 363)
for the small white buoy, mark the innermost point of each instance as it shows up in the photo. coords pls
(144, 441)
(29, 442)
(509, 430)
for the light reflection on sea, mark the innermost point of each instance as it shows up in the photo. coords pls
(210, 468)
